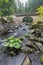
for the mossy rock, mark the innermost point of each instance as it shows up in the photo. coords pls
(41, 50)
(41, 58)
(35, 26)
(28, 35)
(26, 50)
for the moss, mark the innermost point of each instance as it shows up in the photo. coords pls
(27, 19)
(41, 59)
(28, 35)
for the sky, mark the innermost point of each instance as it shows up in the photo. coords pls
(23, 1)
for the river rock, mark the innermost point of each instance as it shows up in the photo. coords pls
(27, 61)
(41, 34)
(26, 50)
(39, 45)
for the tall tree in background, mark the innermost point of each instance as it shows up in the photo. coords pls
(8, 7)
(33, 5)
(15, 6)
(20, 7)
(26, 7)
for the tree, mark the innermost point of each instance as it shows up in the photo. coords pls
(20, 7)
(6, 7)
(26, 7)
(33, 5)
(15, 6)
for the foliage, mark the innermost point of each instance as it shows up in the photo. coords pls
(12, 42)
(28, 35)
(26, 7)
(40, 10)
(27, 19)
(41, 59)
(20, 7)
(10, 19)
(6, 7)
(33, 5)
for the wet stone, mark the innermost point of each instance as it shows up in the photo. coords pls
(2, 56)
(35, 59)
(27, 61)
(16, 60)
(10, 31)
(29, 43)
(32, 31)
(42, 34)
(26, 50)
(39, 45)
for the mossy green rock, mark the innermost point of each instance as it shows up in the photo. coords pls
(41, 50)
(41, 59)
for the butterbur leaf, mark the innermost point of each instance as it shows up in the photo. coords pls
(11, 38)
(18, 40)
(5, 40)
(17, 45)
(11, 41)
(11, 45)
(6, 44)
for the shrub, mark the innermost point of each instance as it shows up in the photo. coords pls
(40, 10)
(10, 19)
(27, 19)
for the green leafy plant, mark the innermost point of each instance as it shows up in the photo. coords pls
(40, 10)
(27, 19)
(10, 19)
(12, 44)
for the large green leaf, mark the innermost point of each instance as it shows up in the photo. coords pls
(17, 45)
(18, 40)
(11, 45)
(6, 44)
(11, 38)
(11, 41)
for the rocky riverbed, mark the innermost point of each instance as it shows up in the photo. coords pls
(32, 44)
